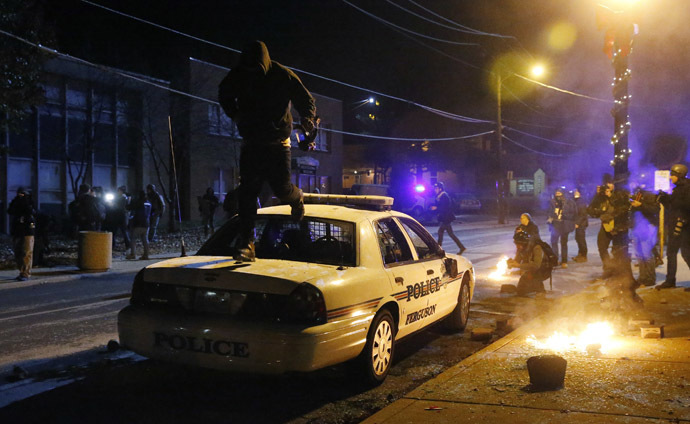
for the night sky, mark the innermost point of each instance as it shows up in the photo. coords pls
(332, 39)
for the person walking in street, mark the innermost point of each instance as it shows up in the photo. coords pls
(444, 211)
(22, 229)
(677, 206)
(207, 207)
(562, 222)
(581, 224)
(257, 95)
(120, 216)
(157, 210)
(141, 219)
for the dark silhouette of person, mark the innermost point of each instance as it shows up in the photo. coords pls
(257, 94)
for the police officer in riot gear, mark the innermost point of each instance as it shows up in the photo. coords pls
(677, 205)
(257, 95)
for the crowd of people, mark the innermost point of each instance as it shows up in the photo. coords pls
(133, 219)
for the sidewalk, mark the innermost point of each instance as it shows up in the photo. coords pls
(56, 274)
(640, 381)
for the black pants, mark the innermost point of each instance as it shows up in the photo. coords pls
(603, 242)
(676, 242)
(558, 231)
(448, 227)
(581, 241)
(259, 163)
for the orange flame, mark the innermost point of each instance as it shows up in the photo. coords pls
(598, 336)
(501, 270)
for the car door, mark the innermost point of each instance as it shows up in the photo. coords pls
(403, 269)
(440, 297)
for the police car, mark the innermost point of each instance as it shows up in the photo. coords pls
(345, 283)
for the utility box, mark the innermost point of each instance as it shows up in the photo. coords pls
(95, 251)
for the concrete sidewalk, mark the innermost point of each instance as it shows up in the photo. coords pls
(640, 381)
(56, 274)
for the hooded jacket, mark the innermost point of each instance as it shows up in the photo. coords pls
(257, 94)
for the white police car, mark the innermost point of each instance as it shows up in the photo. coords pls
(347, 282)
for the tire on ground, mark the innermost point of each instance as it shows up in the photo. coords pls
(457, 320)
(374, 362)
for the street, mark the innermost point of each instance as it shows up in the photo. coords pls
(58, 333)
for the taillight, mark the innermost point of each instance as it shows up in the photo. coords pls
(305, 305)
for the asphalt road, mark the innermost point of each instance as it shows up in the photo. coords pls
(58, 333)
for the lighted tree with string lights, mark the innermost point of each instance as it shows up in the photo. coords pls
(618, 40)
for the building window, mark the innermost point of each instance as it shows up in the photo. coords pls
(22, 140)
(218, 122)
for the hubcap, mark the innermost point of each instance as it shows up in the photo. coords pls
(381, 347)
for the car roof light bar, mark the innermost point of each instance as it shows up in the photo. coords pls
(368, 202)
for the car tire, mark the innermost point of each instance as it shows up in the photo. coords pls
(457, 320)
(374, 362)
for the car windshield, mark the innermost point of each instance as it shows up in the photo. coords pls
(317, 240)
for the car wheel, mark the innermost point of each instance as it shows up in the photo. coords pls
(457, 320)
(375, 360)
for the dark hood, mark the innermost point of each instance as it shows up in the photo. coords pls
(255, 55)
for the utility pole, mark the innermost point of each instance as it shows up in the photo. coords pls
(500, 184)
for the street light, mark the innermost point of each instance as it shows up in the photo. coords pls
(537, 71)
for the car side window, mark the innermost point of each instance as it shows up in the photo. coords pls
(394, 247)
(423, 242)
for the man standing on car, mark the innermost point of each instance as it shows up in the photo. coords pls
(257, 94)
(444, 209)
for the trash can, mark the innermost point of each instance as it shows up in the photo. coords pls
(95, 250)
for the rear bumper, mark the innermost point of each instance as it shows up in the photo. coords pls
(220, 343)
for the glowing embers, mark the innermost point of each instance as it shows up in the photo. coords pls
(501, 271)
(597, 337)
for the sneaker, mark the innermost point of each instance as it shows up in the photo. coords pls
(579, 258)
(246, 254)
(298, 208)
(144, 258)
(564, 265)
(462, 251)
(21, 278)
(130, 257)
(666, 285)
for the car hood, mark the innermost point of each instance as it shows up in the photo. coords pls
(272, 276)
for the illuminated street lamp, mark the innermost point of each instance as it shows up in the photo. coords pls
(619, 29)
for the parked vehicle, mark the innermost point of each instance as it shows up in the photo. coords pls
(466, 203)
(345, 283)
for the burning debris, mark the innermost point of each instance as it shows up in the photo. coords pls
(596, 337)
(501, 271)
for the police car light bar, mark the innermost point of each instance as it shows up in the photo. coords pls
(375, 202)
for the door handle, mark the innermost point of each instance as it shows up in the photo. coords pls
(429, 271)
(399, 280)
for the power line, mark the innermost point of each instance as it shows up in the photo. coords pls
(540, 138)
(454, 116)
(470, 30)
(407, 139)
(212, 102)
(572, 93)
(454, 28)
(371, 15)
(530, 149)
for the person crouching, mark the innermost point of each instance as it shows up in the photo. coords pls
(532, 263)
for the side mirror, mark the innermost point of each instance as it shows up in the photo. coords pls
(451, 267)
